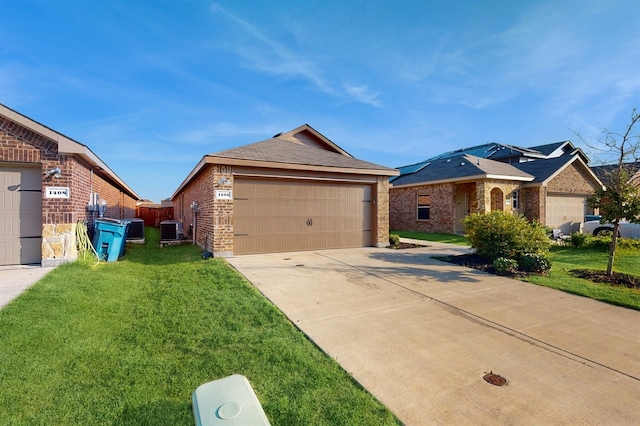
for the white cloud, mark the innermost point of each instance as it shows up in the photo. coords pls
(362, 94)
(266, 54)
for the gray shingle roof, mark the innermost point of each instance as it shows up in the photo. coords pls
(460, 167)
(283, 151)
(544, 169)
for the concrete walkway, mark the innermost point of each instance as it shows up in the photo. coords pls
(14, 280)
(420, 334)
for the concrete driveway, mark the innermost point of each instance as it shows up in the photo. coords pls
(420, 334)
(14, 280)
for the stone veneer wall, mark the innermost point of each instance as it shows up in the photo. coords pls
(58, 243)
(484, 189)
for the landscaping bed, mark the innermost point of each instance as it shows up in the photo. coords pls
(476, 262)
(616, 278)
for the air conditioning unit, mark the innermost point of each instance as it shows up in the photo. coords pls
(171, 230)
(136, 228)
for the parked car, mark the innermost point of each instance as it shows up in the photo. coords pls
(625, 230)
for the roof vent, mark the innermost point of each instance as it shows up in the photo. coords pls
(448, 160)
(275, 136)
(462, 164)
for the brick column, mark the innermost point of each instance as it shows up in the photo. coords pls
(222, 214)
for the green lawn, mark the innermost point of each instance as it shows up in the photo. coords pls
(434, 236)
(127, 343)
(566, 258)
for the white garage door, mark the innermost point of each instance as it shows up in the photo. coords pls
(20, 215)
(565, 212)
(273, 216)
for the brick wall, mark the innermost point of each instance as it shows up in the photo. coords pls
(534, 203)
(403, 204)
(381, 212)
(574, 179)
(200, 190)
(20, 145)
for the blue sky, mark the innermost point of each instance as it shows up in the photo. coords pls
(152, 86)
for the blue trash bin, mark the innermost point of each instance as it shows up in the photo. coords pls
(110, 238)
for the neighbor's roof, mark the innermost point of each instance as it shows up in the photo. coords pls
(303, 148)
(502, 153)
(66, 145)
(603, 171)
(459, 168)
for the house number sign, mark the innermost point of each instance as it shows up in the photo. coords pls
(57, 192)
(224, 194)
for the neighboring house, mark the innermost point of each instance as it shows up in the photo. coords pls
(48, 183)
(548, 183)
(604, 172)
(295, 191)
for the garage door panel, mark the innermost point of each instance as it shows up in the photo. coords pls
(565, 212)
(20, 215)
(304, 215)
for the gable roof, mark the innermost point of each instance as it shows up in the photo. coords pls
(282, 152)
(547, 169)
(300, 149)
(459, 168)
(309, 136)
(527, 160)
(68, 146)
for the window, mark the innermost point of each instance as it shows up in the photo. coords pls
(515, 200)
(424, 207)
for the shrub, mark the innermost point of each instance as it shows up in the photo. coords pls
(604, 243)
(499, 234)
(535, 262)
(394, 240)
(599, 243)
(578, 239)
(504, 265)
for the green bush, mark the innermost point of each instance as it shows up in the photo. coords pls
(504, 265)
(628, 243)
(604, 243)
(599, 243)
(499, 234)
(394, 240)
(578, 239)
(535, 262)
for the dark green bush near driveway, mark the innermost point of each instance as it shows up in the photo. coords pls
(499, 234)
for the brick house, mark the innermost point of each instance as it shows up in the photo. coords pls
(605, 172)
(548, 183)
(46, 184)
(296, 191)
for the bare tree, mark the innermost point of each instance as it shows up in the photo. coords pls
(620, 198)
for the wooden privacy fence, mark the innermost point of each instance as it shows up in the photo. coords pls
(152, 216)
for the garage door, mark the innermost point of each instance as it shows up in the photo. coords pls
(565, 212)
(278, 216)
(20, 215)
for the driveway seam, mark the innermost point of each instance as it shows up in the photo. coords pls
(489, 323)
